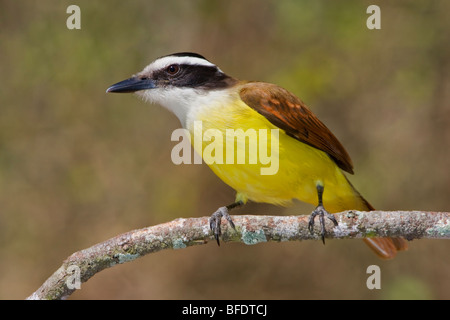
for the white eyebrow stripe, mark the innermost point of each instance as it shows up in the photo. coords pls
(164, 62)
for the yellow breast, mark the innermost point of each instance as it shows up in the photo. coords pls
(285, 168)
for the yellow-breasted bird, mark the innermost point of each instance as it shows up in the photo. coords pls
(311, 160)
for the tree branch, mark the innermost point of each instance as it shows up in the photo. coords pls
(182, 233)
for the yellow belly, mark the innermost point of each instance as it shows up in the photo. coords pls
(300, 166)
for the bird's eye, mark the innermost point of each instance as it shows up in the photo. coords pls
(173, 69)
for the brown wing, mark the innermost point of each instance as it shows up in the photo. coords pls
(290, 114)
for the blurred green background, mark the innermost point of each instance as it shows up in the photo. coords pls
(78, 166)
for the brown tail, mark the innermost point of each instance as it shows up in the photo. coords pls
(385, 248)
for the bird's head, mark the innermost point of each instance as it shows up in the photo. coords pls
(176, 81)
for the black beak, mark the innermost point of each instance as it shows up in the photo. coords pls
(132, 85)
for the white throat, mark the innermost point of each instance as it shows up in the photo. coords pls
(187, 103)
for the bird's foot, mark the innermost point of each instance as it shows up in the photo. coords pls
(216, 219)
(322, 213)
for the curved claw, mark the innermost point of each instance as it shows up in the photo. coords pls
(216, 219)
(214, 224)
(321, 212)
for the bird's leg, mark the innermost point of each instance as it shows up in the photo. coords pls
(321, 212)
(216, 219)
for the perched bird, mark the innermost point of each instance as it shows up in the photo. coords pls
(311, 161)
